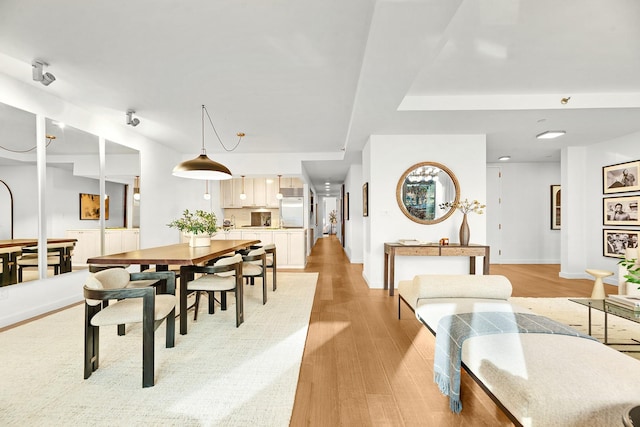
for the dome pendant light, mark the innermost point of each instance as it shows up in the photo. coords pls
(243, 195)
(202, 167)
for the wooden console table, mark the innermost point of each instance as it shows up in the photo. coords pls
(394, 248)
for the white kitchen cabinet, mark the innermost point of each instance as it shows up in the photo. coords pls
(112, 242)
(259, 192)
(87, 245)
(230, 190)
(130, 239)
(271, 189)
(116, 241)
(290, 247)
(248, 191)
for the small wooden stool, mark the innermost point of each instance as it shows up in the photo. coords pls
(598, 285)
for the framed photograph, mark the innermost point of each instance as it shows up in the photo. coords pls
(621, 178)
(90, 206)
(616, 241)
(556, 210)
(620, 210)
(365, 199)
(346, 206)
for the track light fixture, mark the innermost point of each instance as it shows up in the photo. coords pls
(38, 74)
(130, 120)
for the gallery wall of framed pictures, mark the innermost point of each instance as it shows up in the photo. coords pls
(620, 211)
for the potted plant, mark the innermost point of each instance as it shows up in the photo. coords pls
(333, 219)
(633, 271)
(199, 226)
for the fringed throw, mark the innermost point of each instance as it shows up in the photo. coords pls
(454, 329)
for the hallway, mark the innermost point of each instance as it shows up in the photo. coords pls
(362, 366)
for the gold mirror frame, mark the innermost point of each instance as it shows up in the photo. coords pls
(414, 170)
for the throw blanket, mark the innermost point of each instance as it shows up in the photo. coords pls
(454, 329)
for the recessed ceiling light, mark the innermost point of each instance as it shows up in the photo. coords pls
(327, 194)
(550, 134)
(504, 158)
(327, 183)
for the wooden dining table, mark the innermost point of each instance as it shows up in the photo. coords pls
(11, 249)
(179, 254)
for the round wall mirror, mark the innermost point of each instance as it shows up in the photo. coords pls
(421, 190)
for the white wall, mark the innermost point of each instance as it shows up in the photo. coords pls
(354, 225)
(526, 236)
(385, 159)
(584, 247)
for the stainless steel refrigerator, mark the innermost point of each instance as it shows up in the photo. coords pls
(292, 212)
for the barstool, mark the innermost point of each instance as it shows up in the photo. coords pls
(598, 285)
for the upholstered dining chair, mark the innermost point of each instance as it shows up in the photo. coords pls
(225, 275)
(271, 261)
(29, 259)
(254, 264)
(135, 304)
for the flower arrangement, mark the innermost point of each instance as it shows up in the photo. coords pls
(333, 217)
(465, 206)
(198, 222)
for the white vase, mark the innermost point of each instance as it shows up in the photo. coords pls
(197, 240)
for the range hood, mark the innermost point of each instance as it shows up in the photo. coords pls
(292, 192)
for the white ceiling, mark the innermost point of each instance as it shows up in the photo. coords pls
(320, 77)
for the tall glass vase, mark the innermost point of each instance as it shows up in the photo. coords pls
(465, 233)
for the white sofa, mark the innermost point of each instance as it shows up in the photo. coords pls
(536, 379)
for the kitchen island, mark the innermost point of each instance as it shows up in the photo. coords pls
(291, 243)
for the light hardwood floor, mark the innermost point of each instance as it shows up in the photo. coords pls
(364, 367)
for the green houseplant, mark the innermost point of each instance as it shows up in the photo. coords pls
(198, 225)
(633, 270)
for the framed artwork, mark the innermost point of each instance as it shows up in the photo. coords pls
(616, 241)
(346, 206)
(556, 208)
(621, 178)
(365, 199)
(90, 206)
(620, 210)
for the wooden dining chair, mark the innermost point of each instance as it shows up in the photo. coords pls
(133, 304)
(225, 275)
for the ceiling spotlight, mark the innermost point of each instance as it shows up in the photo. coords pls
(564, 101)
(504, 158)
(38, 74)
(550, 134)
(130, 120)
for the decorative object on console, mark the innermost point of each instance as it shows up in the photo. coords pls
(199, 226)
(465, 207)
(444, 241)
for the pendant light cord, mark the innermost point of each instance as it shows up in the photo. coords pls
(240, 135)
(49, 139)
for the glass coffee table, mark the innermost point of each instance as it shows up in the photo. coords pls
(609, 308)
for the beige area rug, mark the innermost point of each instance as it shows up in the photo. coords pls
(216, 375)
(577, 316)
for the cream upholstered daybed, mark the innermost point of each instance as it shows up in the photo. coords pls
(538, 379)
